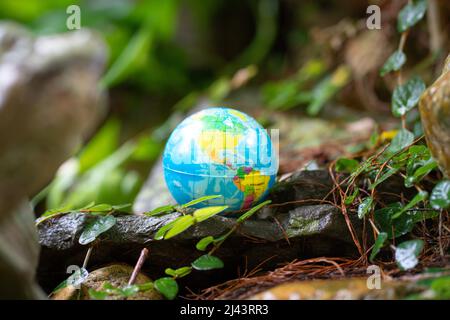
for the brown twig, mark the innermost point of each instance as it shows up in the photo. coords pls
(138, 267)
(87, 257)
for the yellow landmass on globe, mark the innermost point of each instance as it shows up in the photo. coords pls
(253, 185)
(215, 142)
(239, 114)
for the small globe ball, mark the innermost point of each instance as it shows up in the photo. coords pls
(220, 151)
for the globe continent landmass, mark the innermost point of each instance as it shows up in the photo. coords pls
(227, 165)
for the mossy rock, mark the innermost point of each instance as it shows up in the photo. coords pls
(117, 275)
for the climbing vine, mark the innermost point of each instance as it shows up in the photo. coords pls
(406, 157)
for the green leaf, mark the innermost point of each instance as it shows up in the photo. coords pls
(207, 262)
(178, 273)
(420, 173)
(402, 139)
(160, 210)
(100, 208)
(180, 225)
(407, 252)
(349, 199)
(406, 96)
(204, 243)
(346, 165)
(365, 207)
(206, 213)
(202, 199)
(403, 224)
(411, 14)
(252, 211)
(389, 172)
(131, 59)
(104, 143)
(145, 286)
(440, 196)
(420, 196)
(52, 213)
(159, 235)
(379, 243)
(168, 287)
(121, 206)
(97, 295)
(327, 88)
(393, 63)
(129, 290)
(419, 164)
(96, 227)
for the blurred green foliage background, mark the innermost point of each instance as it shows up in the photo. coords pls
(167, 55)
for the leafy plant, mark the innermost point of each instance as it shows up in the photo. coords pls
(168, 285)
(404, 157)
(406, 254)
(109, 290)
(95, 228)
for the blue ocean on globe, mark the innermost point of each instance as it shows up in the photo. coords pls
(220, 151)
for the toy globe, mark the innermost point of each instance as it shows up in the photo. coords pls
(220, 151)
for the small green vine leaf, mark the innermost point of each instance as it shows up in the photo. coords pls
(96, 227)
(168, 287)
(407, 252)
(393, 63)
(207, 262)
(440, 196)
(365, 207)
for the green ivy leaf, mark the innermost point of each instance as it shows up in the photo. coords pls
(160, 210)
(406, 96)
(411, 14)
(252, 211)
(206, 213)
(168, 287)
(440, 196)
(379, 243)
(202, 199)
(159, 235)
(207, 262)
(180, 225)
(402, 225)
(178, 273)
(420, 173)
(346, 165)
(402, 139)
(389, 172)
(365, 207)
(204, 243)
(419, 164)
(95, 228)
(393, 63)
(420, 196)
(407, 252)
